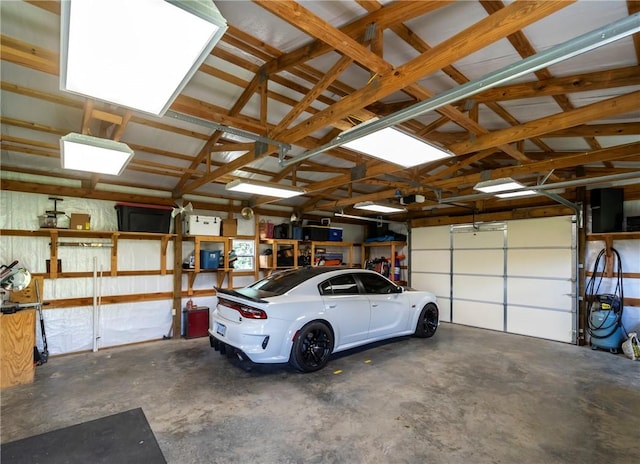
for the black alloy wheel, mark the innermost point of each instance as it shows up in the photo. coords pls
(312, 347)
(428, 321)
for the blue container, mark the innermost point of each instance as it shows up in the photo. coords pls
(335, 235)
(210, 259)
(296, 233)
(606, 330)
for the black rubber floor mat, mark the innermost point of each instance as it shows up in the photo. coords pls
(125, 437)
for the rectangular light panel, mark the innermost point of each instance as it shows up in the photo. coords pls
(498, 185)
(396, 147)
(263, 188)
(92, 154)
(370, 206)
(135, 53)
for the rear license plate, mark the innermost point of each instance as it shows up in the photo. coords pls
(221, 329)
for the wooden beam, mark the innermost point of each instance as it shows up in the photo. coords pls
(613, 106)
(601, 80)
(485, 32)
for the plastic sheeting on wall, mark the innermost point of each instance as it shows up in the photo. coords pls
(72, 329)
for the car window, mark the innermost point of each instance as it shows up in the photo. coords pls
(341, 285)
(281, 282)
(374, 283)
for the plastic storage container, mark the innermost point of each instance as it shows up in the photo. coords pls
(316, 233)
(210, 259)
(133, 217)
(335, 234)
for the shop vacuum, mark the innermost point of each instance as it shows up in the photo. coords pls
(604, 311)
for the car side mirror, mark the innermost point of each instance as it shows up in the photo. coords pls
(399, 289)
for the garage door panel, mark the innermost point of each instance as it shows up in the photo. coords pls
(438, 284)
(549, 324)
(540, 232)
(431, 237)
(542, 293)
(480, 239)
(444, 305)
(478, 288)
(488, 262)
(540, 263)
(517, 276)
(485, 315)
(431, 260)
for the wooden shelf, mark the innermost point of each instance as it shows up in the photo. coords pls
(86, 234)
(327, 243)
(614, 236)
(114, 236)
(392, 245)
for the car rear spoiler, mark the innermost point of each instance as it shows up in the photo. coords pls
(251, 295)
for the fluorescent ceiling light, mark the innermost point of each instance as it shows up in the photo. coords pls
(517, 193)
(498, 185)
(139, 54)
(263, 188)
(390, 144)
(93, 154)
(371, 206)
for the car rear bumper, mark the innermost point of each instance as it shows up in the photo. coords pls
(255, 340)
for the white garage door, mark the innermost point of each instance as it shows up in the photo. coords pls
(516, 277)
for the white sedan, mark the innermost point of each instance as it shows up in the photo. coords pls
(303, 315)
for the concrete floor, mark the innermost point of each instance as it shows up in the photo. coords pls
(465, 396)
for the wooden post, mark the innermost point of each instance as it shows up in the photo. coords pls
(177, 276)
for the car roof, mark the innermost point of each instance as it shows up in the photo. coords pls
(281, 282)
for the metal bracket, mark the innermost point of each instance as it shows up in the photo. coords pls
(230, 130)
(260, 148)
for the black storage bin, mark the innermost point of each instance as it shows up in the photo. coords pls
(134, 217)
(281, 231)
(377, 229)
(316, 233)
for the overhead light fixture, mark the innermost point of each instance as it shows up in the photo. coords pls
(498, 185)
(92, 154)
(263, 188)
(139, 54)
(375, 207)
(517, 193)
(394, 146)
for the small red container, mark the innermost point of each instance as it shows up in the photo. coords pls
(197, 323)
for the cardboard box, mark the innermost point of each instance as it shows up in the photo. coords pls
(229, 227)
(266, 261)
(80, 221)
(202, 225)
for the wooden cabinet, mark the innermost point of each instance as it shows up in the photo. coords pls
(17, 339)
(380, 248)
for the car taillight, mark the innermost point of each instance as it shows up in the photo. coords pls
(244, 310)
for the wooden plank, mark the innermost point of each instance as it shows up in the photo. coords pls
(17, 340)
(619, 152)
(600, 80)
(599, 110)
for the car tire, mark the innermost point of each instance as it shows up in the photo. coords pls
(428, 321)
(312, 347)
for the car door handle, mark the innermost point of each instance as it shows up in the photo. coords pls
(331, 306)
(374, 305)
